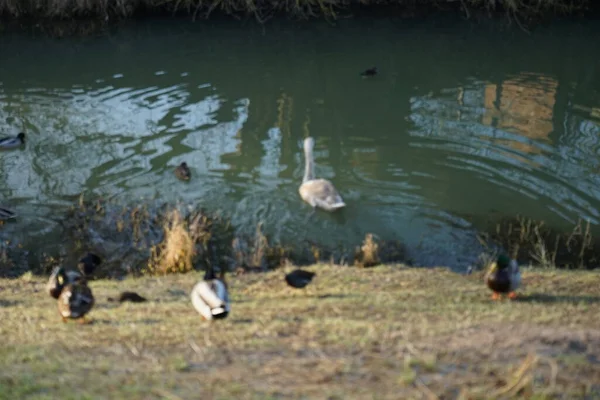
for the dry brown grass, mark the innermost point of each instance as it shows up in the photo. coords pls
(532, 241)
(262, 10)
(368, 254)
(177, 250)
(388, 332)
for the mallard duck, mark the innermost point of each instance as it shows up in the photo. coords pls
(317, 192)
(12, 142)
(88, 263)
(210, 296)
(59, 279)
(369, 72)
(75, 301)
(5, 213)
(183, 172)
(503, 276)
(299, 278)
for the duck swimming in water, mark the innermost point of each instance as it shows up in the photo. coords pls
(210, 297)
(5, 213)
(183, 172)
(503, 277)
(369, 72)
(317, 192)
(12, 142)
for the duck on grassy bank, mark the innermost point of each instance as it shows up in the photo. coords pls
(503, 277)
(210, 296)
(60, 278)
(75, 301)
(299, 278)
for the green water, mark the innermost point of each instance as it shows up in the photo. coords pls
(464, 121)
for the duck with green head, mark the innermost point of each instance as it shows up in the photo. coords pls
(503, 277)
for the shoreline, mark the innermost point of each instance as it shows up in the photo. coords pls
(162, 238)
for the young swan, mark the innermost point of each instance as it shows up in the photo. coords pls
(210, 297)
(317, 192)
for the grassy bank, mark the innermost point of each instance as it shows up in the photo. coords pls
(383, 332)
(263, 9)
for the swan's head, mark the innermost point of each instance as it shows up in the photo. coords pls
(309, 143)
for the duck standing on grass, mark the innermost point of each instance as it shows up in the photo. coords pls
(317, 192)
(88, 263)
(503, 276)
(183, 172)
(299, 278)
(61, 278)
(75, 301)
(210, 297)
(12, 142)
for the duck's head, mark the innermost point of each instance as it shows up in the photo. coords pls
(210, 273)
(309, 143)
(21, 137)
(503, 261)
(183, 165)
(59, 275)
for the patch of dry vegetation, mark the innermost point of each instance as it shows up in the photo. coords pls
(368, 254)
(390, 332)
(177, 250)
(262, 10)
(531, 241)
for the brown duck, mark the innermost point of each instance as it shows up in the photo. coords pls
(183, 172)
(75, 301)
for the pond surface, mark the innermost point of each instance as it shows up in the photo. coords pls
(465, 121)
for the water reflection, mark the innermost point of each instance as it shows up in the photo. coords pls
(503, 133)
(430, 139)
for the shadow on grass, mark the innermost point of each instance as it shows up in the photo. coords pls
(548, 298)
(9, 303)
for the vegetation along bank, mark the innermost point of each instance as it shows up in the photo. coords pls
(264, 9)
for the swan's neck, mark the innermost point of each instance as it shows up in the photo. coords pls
(308, 165)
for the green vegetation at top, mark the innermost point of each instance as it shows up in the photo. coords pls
(264, 9)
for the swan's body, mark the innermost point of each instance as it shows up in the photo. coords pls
(317, 192)
(12, 142)
(210, 297)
